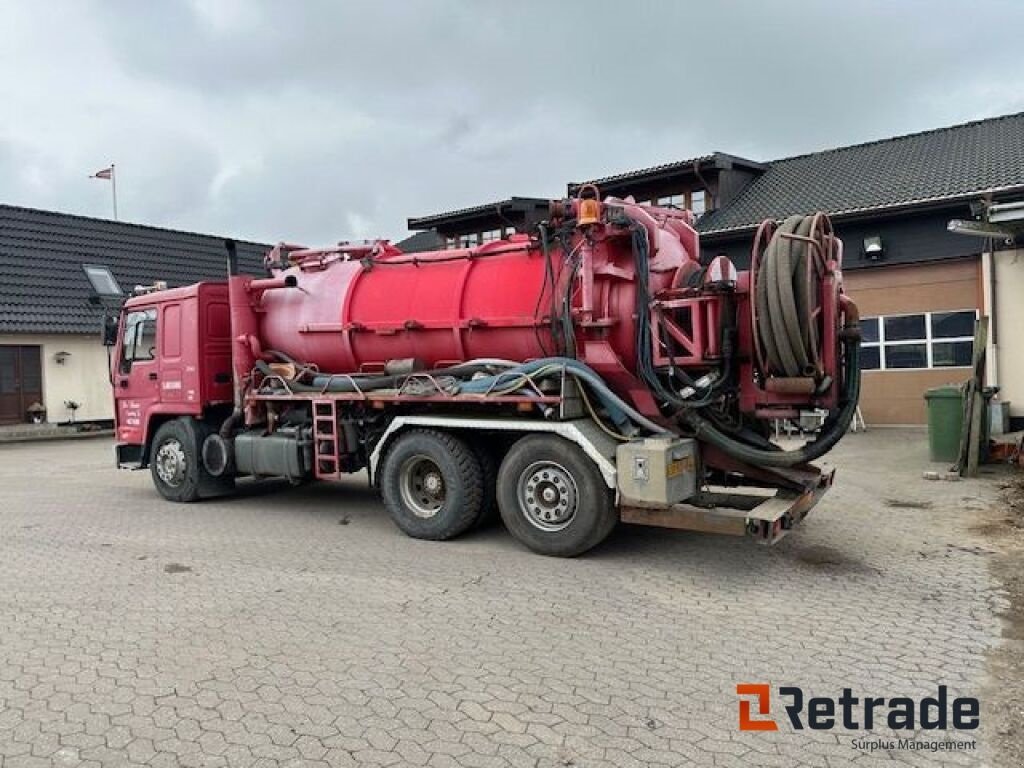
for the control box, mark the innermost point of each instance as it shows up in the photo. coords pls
(657, 470)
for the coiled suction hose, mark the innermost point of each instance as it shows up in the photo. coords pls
(785, 302)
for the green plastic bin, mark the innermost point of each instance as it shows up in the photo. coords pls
(945, 421)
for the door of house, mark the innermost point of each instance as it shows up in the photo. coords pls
(21, 382)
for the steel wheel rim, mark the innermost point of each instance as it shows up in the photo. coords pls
(422, 486)
(548, 496)
(171, 463)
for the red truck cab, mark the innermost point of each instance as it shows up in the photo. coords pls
(172, 358)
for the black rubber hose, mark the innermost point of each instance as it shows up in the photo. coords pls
(832, 431)
(781, 304)
(785, 323)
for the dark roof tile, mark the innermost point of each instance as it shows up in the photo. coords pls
(942, 164)
(44, 290)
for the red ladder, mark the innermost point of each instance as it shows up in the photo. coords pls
(325, 440)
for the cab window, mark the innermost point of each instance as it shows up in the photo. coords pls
(139, 338)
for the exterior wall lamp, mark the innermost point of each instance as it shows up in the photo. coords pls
(873, 248)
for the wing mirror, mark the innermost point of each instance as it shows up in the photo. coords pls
(109, 330)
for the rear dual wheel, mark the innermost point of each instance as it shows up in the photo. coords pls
(432, 484)
(553, 498)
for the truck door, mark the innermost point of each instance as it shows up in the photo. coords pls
(137, 374)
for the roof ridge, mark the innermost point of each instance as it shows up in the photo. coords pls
(913, 135)
(119, 223)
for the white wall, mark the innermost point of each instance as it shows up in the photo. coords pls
(82, 378)
(1006, 367)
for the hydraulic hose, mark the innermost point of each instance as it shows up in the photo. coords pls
(619, 410)
(615, 404)
(832, 431)
(785, 302)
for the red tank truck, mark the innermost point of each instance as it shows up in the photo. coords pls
(593, 371)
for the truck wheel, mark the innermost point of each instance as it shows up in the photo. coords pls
(174, 461)
(489, 477)
(177, 466)
(552, 497)
(432, 485)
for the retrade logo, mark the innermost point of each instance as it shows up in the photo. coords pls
(762, 694)
(855, 713)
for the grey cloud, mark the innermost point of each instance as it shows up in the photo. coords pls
(303, 120)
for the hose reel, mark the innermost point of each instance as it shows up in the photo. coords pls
(787, 264)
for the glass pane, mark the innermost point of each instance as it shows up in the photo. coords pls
(950, 353)
(947, 325)
(869, 329)
(145, 347)
(139, 337)
(906, 328)
(906, 355)
(103, 282)
(697, 201)
(8, 370)
(869, 358)
(31, 370)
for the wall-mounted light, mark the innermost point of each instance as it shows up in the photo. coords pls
(873, 248)
(61, 357)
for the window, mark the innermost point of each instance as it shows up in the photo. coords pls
(139, 338)
(926, 340)
(697, 202)
(451, 243)
(490, 236)
(467, 241)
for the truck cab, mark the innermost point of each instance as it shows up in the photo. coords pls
(172, 358)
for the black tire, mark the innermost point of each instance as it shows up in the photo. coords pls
(413, 467)
(175, 462)
(486, 452)
(578, 511)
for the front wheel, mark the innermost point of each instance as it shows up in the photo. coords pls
(553, 498)
(176, 465)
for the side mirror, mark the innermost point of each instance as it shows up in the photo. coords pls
(109, 330)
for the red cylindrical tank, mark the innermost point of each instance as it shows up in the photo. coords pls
(349, 314)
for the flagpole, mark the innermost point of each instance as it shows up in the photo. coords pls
(113, 188)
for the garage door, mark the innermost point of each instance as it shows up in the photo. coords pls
(918, 326)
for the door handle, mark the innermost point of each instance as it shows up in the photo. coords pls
(152, 377)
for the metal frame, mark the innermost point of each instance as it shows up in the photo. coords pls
(583, 432)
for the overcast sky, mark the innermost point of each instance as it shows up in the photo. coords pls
(319, 121)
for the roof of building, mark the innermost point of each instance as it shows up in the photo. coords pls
(427, 240)
(956, 162)
(719, 160)
(476, 211)
(44, 289)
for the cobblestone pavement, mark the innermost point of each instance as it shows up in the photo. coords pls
(297, 626)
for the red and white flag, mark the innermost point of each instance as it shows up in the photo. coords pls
(106, 173)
